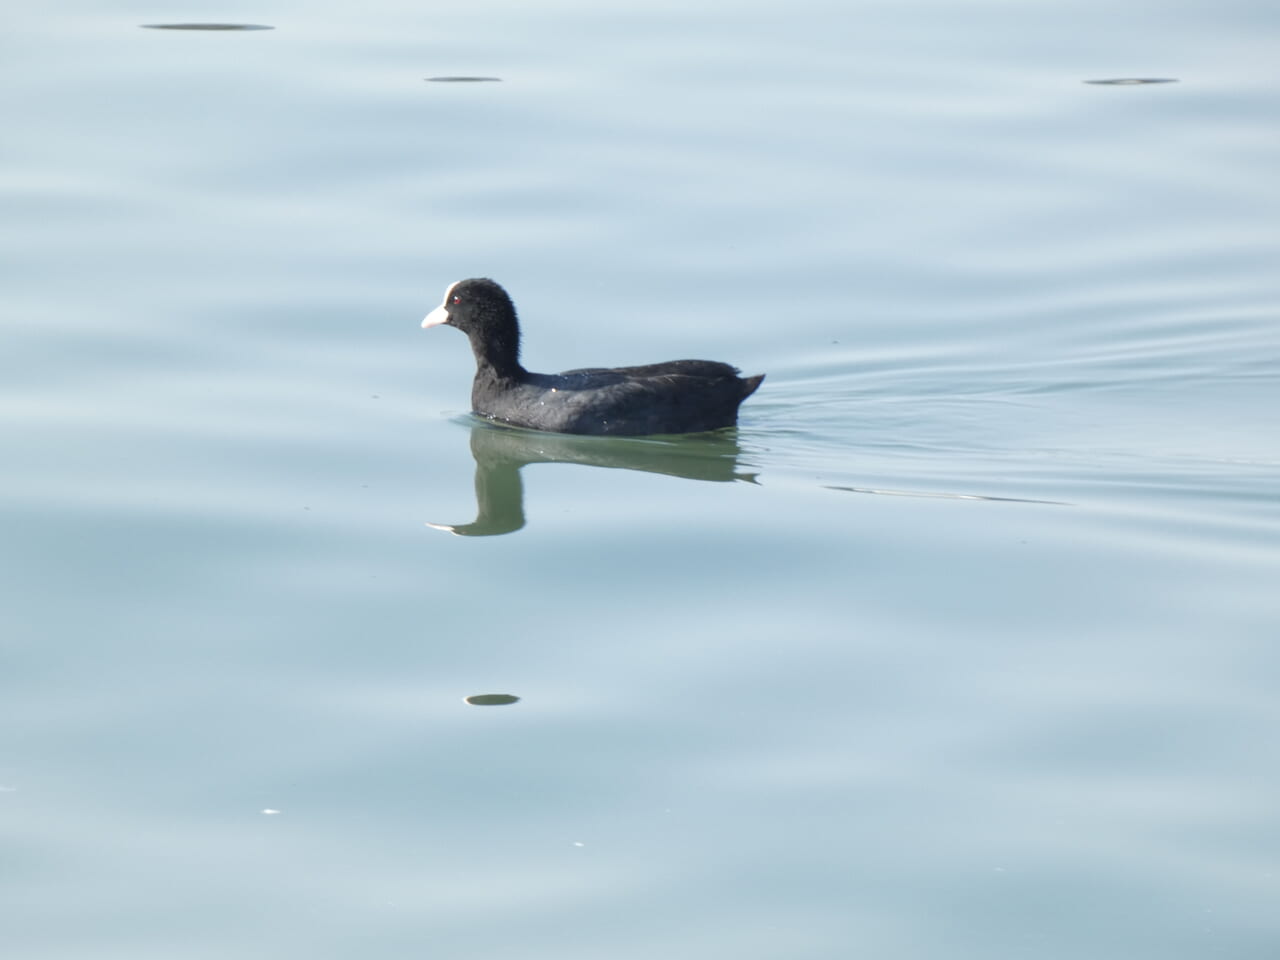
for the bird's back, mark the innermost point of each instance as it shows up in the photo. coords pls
(679, 396)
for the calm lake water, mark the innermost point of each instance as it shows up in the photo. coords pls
(964, 645)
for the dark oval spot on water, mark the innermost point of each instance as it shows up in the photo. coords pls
(205, 26)
(490, 699)
(1132, 81)
(464, 79)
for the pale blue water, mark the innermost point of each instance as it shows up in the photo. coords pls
(964, 646)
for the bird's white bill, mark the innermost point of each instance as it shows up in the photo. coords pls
(441, 313)
(436, 317)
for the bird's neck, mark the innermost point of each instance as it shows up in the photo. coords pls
(498, 358)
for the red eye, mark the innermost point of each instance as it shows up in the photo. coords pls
(456, 300)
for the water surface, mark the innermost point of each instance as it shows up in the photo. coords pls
(961, 645)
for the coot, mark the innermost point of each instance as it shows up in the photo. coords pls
(680, 396)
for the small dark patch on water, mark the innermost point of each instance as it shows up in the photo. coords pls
(1132, 81)
(464, 79)
(206, 26)
(491, 699)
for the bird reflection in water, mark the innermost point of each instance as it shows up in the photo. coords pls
(500, 451)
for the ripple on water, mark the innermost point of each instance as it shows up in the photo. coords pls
(1132, 81)
(206, 26)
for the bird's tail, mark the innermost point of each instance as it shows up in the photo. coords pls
(751, 384)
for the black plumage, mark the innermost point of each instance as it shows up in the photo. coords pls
(679, 396)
